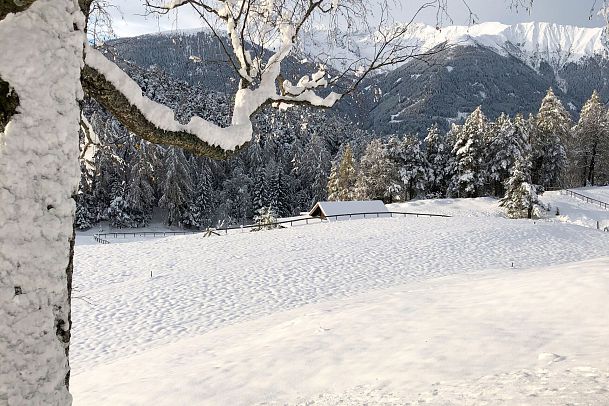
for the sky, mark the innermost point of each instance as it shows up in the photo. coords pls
(130, 20)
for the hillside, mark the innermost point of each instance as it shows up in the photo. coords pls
(377, 311)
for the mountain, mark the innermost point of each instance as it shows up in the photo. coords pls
(533, 43)
(500, 67)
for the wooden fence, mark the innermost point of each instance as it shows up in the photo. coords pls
(102, 237)
(587, 199)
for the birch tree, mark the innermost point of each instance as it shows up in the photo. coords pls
(46, 67)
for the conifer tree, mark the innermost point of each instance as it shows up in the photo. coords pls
(265, 219)
(341, 186)
(586, 143)
(374, 181)
(413, 168)
(311, 165)
(176, 187)
(259, 190)
(507, 142)
(552, 130)
(140, 193)
(601, 166)
(469, 153)
(521, 195)
(200, 210)
(438, 158)
(332, 187)
(278, 193)
(118, 212)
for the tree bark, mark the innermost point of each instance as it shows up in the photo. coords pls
(13, 6)
(41, 43)
(96, 86)
(9, 101)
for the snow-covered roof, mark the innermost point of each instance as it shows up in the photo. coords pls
(335, 208)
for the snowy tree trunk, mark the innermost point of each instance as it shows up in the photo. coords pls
(41, 48)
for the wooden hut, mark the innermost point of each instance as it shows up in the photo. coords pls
(346, 210)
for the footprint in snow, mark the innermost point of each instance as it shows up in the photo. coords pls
(550, 358)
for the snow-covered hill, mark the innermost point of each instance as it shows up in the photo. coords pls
(377, 311)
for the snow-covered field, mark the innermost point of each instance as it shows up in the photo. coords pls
(577, 211)
(470, 309)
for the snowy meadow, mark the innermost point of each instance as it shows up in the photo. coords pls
(463, 310)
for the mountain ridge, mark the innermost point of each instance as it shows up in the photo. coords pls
(486, 66)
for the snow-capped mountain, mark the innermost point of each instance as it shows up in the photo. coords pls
(532, 43)
(503, 68)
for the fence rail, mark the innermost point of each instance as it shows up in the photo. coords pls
(587, 199)
(101, 237)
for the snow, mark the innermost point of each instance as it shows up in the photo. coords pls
(379, 310)
(227, 138)
(41, 59)
(477, 207)
(349, 207)
(576, 211)
(595, 192)
(461, 116)
(247, 100)
(532, 42)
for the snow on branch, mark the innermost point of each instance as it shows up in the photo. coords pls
(114, 89)
(118, 93)
(260, 35)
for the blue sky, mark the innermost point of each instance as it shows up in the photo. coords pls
(575, 12)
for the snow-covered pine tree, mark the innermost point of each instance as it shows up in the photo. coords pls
(234, 204)
(278, 192)
(585, 145)
(602, 165)
(140, 193)
(176, 187)
(259, 190)
(374, 177)
(507, 142)
(332, 184)
(311, 166)
(265, 219)
(413, 168)
(343, 177)
(521, 195)
(200, 209)
(438, 155)
(552, 130)
(119, 212)
(469, 152)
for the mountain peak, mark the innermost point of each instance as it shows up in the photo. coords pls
(531, 42)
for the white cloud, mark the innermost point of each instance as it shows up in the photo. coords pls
(132, 19)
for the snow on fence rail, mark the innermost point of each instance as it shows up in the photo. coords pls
(100, 237)
(587, 199)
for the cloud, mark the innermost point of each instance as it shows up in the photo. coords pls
(132, 19)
